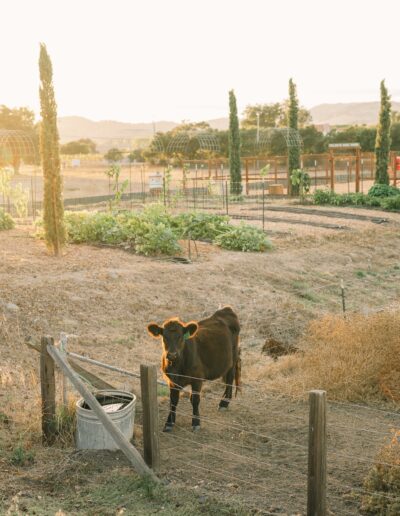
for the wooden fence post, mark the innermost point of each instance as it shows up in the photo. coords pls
(151, 444)
(48, 391)
(316, 495)
(63, 349)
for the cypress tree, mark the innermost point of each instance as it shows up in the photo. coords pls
(293, 123)
(383, 140)
(53, 209)
(234, 147)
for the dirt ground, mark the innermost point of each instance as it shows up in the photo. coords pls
(253, 457)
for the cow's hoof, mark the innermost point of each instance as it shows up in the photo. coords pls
(196, 428)
(168, 428)
(222, 409)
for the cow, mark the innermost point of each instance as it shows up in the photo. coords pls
(197, 351)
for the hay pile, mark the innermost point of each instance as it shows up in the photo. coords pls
(353, 359)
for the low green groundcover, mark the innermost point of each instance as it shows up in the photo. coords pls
(155, 231)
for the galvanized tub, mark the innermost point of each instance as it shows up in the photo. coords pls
(91, 434)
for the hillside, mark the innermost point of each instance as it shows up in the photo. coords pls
(108, 133)
(349, 113)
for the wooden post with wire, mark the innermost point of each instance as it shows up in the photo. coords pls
(316, 489)
(63, 349)
(343, 296)
(151, 444)
(48, 391)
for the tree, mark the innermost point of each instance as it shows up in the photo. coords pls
(293, 123)
(272, 115)
(382, 144)
(82, 146)
(269, 115)
(53, 209)
(113, 155)
(234, 147)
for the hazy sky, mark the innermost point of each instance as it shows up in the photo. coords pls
(146, 60)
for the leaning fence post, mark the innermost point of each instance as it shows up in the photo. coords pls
(48, 391)
(151, 445)
(316, 495)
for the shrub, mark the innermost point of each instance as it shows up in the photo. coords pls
(158, 239)
(155, 231)
(383, 190)
(391, 203)
(383, 481)
(347, 357)
(323, 197)
(6, 221)
(200, 226)
(243, 238)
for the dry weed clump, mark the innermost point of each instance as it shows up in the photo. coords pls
(353, 359)
(383, 481)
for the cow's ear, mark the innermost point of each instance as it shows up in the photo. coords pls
(154, 330)
(190, 329)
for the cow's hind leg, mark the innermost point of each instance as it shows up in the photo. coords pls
(195, 399)
(226, 398)
(174, 400)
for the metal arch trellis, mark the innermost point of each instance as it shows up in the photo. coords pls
(291, 136)
(17, 143)
(180, 142)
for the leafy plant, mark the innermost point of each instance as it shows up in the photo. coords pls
(264, 171)
(17, 195)
(302, 181)
(391, 203)
(383, 190)
(243, 238)
(118, 188)
(6, 221)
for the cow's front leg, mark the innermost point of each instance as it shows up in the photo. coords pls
(174, 400)
(195, 399)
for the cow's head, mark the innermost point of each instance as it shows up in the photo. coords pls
(174, 334)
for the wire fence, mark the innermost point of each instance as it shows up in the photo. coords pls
(256, 453)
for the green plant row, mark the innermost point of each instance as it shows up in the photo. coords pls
(155, 231)
(382, 196)
(6, 221)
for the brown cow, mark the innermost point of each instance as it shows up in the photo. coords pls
(197, 351)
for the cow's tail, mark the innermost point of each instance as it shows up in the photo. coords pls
(238, 373)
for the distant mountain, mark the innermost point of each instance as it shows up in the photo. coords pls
(349, 113)
(108, 133)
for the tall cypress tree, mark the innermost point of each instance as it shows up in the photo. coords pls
(234, 147)
(383, 140)
(53, 209)
(293, 123)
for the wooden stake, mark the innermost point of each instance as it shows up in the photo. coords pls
(316, 496)
(148, 383)
(126, 447)
(48, 390)
(343, 296)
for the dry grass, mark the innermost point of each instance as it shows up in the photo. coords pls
(354, 359)
(383, 481)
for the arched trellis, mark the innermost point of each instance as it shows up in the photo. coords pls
(180, 142)
(17, 145)
(264, 137)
